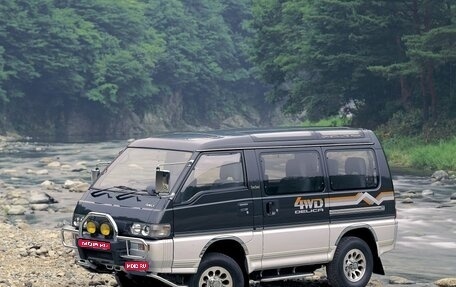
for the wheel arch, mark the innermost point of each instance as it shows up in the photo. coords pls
(368, 235)
(230, 246)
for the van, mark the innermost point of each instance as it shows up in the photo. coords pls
(238, 208)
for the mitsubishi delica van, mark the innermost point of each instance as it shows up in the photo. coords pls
(239, 208)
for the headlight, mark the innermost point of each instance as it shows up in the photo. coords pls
(151, 230)
(77, 218)
(105, 229)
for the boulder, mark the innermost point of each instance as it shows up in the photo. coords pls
(80, 187)
(54, 164)
(396, 280)
(446, 282)
(65, 167)
(30, 171)
(39, 207)
(439, 175)
(37, 197)
(408, 200)
(47, 184)
(427, 192)
(20, 201)
(16, 210)
(42, 172)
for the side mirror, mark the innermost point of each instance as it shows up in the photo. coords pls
(162, 181)
(95, 173)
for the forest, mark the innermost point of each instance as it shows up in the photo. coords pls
(101, 65)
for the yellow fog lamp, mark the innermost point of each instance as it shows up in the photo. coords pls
(91, 227)
(105, 229)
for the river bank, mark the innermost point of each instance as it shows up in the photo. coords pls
(41, 182)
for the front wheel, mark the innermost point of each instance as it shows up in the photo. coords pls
(352, 264)
(217, 270)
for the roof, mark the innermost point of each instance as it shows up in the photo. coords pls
(257, 138)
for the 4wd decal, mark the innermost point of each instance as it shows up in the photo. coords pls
(309, 205)
(313, 205)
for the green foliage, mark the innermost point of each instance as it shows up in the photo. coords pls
(334, 121)
(383, 56)
(112, 58)
(414, 152)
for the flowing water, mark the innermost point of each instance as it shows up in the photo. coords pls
(426, 245)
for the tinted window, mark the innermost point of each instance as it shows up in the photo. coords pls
(214, 171)
(287, 173)
(352, 169)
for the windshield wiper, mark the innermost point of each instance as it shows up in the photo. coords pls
(102, 191)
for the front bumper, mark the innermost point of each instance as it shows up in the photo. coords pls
(157, 253)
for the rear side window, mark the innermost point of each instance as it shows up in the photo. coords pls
(352, 169)
(289, 173)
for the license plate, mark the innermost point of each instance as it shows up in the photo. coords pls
(136, 266)
(93, 244)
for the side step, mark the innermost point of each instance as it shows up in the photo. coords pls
(281, 278)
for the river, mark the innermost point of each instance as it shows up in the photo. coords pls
(426, 245)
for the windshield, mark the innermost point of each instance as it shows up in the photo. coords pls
(135, 168)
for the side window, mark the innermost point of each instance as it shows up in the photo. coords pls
(352, 169)
(214, 171)
(289, 173)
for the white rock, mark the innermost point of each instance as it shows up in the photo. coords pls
(68, 184)
(131, 140)
(47, 184)
(46, 160)
(40, 197)
(81, 163)
(30, 171)
(408, 200)
(439, 175)
(39, 207)
(20, 201)
(16, 210)
(446, 282)
(54, 164)
(9, 171)
(65, 167)
(42, 172)
(427, 192)
(80, 187)
(400, 280)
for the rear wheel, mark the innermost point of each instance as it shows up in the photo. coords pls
(352, 264)
(217, 270)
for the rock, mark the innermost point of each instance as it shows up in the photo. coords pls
(444, 205)
(78, 169)
(453, 196)
(427, 192)
(80, 187)
(400, 281)
(437, 183)
(439, 175)
(9, 171)
(54, 164)
(46, 160)
(408, 200)
(47, 184)
(20, 201)
(446, 282)
(42, 172)
(65, 167)
(411, 194)
(16, 210)
(39, 207)
(40, 197)
(30, 171)
(131, 140)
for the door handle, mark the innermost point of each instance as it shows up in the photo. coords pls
(271, 208)
(244, 208)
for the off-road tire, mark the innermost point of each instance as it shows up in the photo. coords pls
(352, 264)
(218, 266)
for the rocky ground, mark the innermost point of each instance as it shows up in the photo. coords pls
(31, 254)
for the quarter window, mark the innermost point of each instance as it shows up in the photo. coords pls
(288, 173)
(352, 169)
(215, 171)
